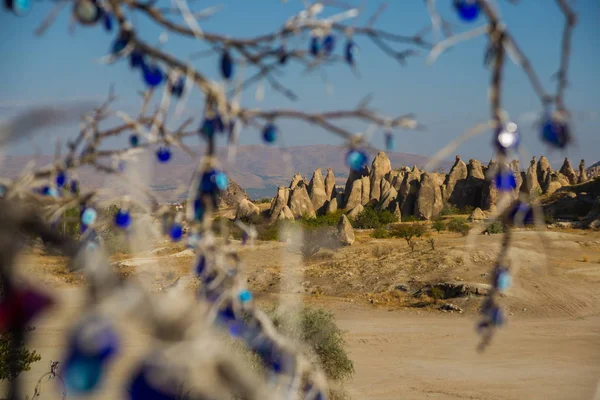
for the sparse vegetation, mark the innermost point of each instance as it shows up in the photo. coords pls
(409, 218)
(451, 209)
(431, 242)
(381, 233)
(373, 219)
(408, 232)
(494, 228)
(436, 293)
(381, 251)
(25, 357)
(263, 200)
(439, 225)
(330, 219)
(459, 225)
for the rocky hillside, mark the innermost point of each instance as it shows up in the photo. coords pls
(411, 192)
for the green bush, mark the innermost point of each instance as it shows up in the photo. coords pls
(381, 233)
(408, 231)
(317, 328)
(459, 225)
(494, 227)
(25, 357)
(436, 293)
(439, 225)
(372, 219)
(409, 218)
(330, 219)
(451, 209)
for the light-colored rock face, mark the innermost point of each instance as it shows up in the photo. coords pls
(568, 171)
(316, 191)
(408, 191)
(355, 196)
(396, 210)
(429, 198)
(543, 171)
(345, 231)
(582, 177)
(474, 170)
(379, 168)
(330, 184)
(332, 206)
(553, 186)
(300, 203)
(247, 209)
(353, 214)
(285, 214)
(516, 170)
(458, 172)
(531, 184)
(388, 198)
(295, 180)
(477, 215)
(365, 190)
(279, 201)
(353, 176)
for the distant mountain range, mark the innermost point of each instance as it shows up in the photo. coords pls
(258, 169)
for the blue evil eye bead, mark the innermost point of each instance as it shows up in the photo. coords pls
(134, 140)
(244, 296)
(89, 216)
(143, 387)
(521, 213)
(270, 133)
(208, 128)
(61, 178)
(283, 55)
(153, 75)
(329, 44)
(496, 316)
(390, 141)
(505, 181)
(502, 279)
(198, 209)
(123, 219)
(213, 180)
(200, 266)
(226, 65)
(507, 137)
(107, 21)
(163, 154)
(556, 132)
(87, 12)
(74, 186)
(49, 191)
(178, 86)
(136, 59)
(467, 10)
(90, 347)
(121, 42)
(356, 159)
(315, 46)
(18, 7)
(350, 52)
(176, 232)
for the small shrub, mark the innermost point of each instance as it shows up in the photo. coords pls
(25, 357)
(451, 209)
(431, 242)
(494, 228)
(549, 218)
(380, 233)
(459, 225)
(439, 225)
(318, 329)
(330, 219)
(381, 251)
(373, 219)
(409, 218)
(437, 293)
(408, 232)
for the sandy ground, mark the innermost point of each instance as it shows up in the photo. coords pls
(550, 348)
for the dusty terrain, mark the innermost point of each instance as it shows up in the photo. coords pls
(403, 347)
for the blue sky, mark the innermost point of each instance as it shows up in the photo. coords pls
(448, 97)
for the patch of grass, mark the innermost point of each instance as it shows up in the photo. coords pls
(381, 251)
(436, 293)
(373, 219)
(494, 228)
(330, 219)
(459, 225)
(451, 209)
(409, 218)
(380, 233)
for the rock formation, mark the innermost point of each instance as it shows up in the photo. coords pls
(408, 191)
(530, 184)
(458, 173)
(295, 180)
(247, 209)
(582, 173)
(280, 200)
(300, 203)
(429, 199)
(330, 184)
(366, 190)
(344, 231)
(285, 214)
(379, 168)
(568, 171)
(231, 196)
(353, 214)
(317, 193)
(354, 197)
(477, 215)
(332, 205)
(543, 172)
